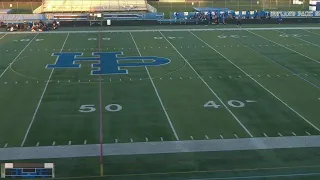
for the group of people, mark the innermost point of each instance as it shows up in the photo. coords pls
(212, 17)
(32, 26)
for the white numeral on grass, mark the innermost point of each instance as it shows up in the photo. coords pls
(231, 36)
(157, 37)
(211, 104)
(236, 103)
(95, 39)
(113, 107)
(222, 36)
(234, 36)
(87, 108)
(25, 40)
(232, 103)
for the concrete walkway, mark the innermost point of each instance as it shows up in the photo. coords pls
(18, 153)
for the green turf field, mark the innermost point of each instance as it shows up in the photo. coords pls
(218, 85)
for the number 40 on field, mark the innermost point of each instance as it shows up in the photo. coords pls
(232, 103)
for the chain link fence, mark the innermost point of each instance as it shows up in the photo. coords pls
(294, 5)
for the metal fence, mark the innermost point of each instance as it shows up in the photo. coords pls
(233, 5)
(28, 7)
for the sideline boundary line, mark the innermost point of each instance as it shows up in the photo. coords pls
(156, 91)
(39, 103)
(306, 120)
(206, 84)
(159, 147)
(156, 30)
(190, 172)
(261, 176)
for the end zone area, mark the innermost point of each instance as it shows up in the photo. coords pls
(76, 88)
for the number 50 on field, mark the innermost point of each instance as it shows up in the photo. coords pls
(88, 108)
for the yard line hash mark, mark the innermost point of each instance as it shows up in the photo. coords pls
(302, 117)
(157, 93)
(42, 95)
(221, 101)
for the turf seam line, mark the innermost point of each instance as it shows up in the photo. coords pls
(302, 117)
(18, 55)
(156, 91)
(232, 114)
(171, 30)
(41, 97)
(284, 46)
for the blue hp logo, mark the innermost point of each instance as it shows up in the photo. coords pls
(106, 63)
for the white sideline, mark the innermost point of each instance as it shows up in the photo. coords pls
(39, 103)
(260, 176)
(157, 93)
(315, 127)
(302, 40)
(160, 147)
(232, 114)
(156, 30)
(18, 56)
(284, 46)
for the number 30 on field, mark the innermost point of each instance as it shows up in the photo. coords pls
(88, 108)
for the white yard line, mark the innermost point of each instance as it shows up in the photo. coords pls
(18, 55)
(42, 95)
(157, 93)
(3, 36)
(302, 117)
(233, 115)
(302, 39)
(178, 30)
(284, 46)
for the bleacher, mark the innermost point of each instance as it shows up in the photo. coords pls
(79, 6)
